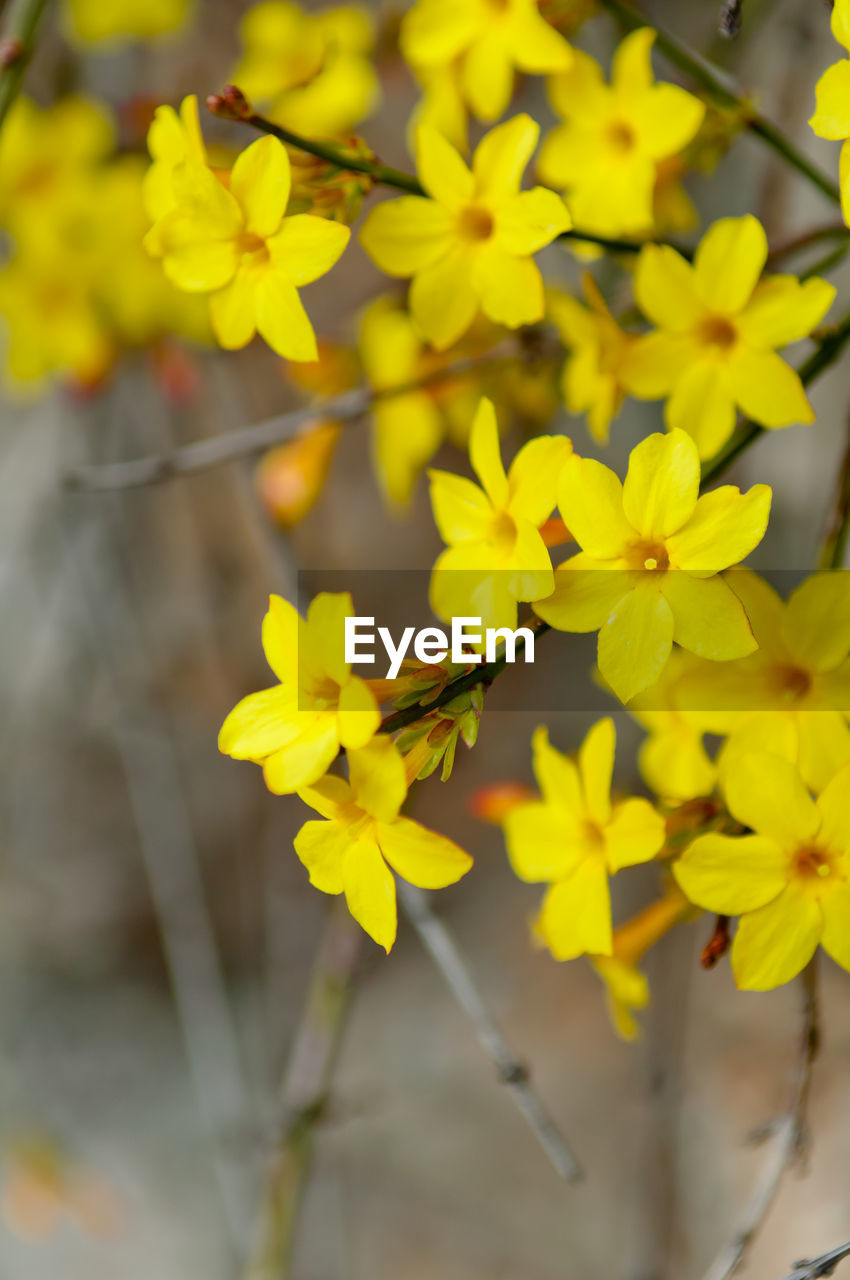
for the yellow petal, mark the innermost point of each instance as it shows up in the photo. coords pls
(191, 260)
(596, 767)
(816, 623)
(635, 642)
(260, 724)
(541, 842)
(324, 641)
(502, 155)
(441, 170)
(732, 874)
(304, 760)
(823, 746)
(406, 235)
(378, 779)
(776, 942)
(590, 499)
(435, 31)
(836, 925)
(533, 477)
(358, 716)
(767, 389)
(260, 182)
(321, 846)
(635, 834)
(710, 619)
(461, 510)
(576, 914)
(783, 309)
(509, 288)
(662, 484)
(675, 765)
(330, 796)
(280, 638)
(487, 76)
(530, 220)
(420, 856)
(833, 805)
(585, 595)
(530, 575)
(665, 289)
(832, 97)
(666, 119)
(370, 891)
(844, 181)
(485, 454)
(232, 312)
(442, 300)
(653, 365)
(703, 405)
(765, 792)
(282, 320)
(725, 527)
(729, 261)
(407, 431)
(537, 47)
(307, 247)
(557, 776)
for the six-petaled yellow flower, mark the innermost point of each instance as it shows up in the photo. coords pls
(714, 350)
(789, 881)
(364, 838)
(295, 729)
(832, 95)
(606, 154)
(469, 243)
(651, 553)
(574, 838)
(237, 245)
(495, 555)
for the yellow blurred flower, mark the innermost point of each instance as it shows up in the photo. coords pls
(43, 1188)
(469, 244)
(832, 92)
(719, 326)
(115, 21)
(574, 838)
(607, 152)
(598, 347)
(313, 69)
(364, 838)
(290, 478)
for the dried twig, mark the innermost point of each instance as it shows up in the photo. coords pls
(788, 1138)
(304, 1093)
(444, 951)
(824, 1265)
(731, 17)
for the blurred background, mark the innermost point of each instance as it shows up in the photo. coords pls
(157, 932)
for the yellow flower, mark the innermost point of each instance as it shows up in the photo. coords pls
(607, 152)
(238, 246)
(495, 554)
(364, 839)
(174, 139)
(789, 882)
(492, 40)
(113, 21)
(591, 380)
(296, 729)
(651, 553)
(832, 93)
(718, 330)
(290, 478)
(574, 838)
(442, 106)
(469, 244)
(313, 68)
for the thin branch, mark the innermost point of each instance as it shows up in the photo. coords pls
(723, 90)
(444, 951)
(304, 1093)
(731, 18)
(16, 49)
(826, 352)
(232, 104)
(246, 441)
(815, 235)
(824, 1265)
(789, 1135)
(835, 544)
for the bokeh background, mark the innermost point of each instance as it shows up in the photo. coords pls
(157, 933)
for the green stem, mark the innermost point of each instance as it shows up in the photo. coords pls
(17, 48)
(825, 353)
(713, 80)
(387, 176)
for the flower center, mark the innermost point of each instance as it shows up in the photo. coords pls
(621, 136)
(252, 246)
(793, 682)
(593, 835)
(812, 863)
(648, 555)
(475, 223)
(503, 531)
(717, 331)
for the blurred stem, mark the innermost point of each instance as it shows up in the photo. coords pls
(16, 49)
(304, 1093)
(826, 352)
(716, 83)
(835, 546)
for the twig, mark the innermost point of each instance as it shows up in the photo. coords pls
(304, 1093)
(229, 445)
(443, 949)
(232, 104)
(835, 544)
(816, 235)
(715, 82)
(731, 17)
(788, 1138)
(16, 49)
(824, 1265)
(825, 353)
